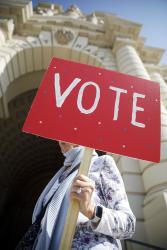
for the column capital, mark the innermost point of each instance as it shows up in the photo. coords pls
(120, 42)
(128, 59)
(164, 71)
(157, 69)
(151, 68)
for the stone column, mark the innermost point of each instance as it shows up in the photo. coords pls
(156, 76)
(154, 175)
(129, 62)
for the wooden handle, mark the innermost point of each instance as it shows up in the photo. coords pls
(73, 210)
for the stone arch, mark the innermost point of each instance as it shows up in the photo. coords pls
(24, 169)
(26, 55)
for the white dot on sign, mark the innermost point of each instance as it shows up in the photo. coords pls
(40, 122)
(99, 123)
(131, 86)
(156, 100)
(123, 146)
(75, 129)
(54, 67)
(99, 74)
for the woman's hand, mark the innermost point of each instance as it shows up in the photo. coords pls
(82, 189)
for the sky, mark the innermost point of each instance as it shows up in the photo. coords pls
(152, 14)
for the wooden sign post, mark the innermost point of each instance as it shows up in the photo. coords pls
(73, 209)
(96, 108)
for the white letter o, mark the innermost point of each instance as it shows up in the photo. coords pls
(80, 96)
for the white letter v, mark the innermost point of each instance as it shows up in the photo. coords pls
(60, 98)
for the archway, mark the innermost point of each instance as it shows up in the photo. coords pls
(27, 163)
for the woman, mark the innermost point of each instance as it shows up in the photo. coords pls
(105, 215)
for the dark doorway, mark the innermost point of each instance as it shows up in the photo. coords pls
(27, 164)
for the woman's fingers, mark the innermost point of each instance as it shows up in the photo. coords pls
(83, 184)
(83, 181)
(80, 190)
(82, 177)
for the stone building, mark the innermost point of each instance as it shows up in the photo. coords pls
(28, 40)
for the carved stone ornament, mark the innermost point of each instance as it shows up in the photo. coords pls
(46, 11)
(74, 12)
(64, 36)
(92, 18)
(7, 26)
(11, 27)
(2, 37)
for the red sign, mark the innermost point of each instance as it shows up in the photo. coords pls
(97, 108)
